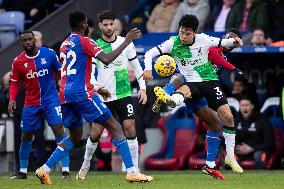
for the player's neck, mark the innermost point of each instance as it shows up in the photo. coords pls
(109, 39)
(78, 32)
(32, 53)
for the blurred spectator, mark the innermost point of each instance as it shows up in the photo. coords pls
(254, 134)
(273, 85)
(239, 86)
(162, 16)
(92, 34)
(143, 6)
(119, 30)
(33, 9)
(258, 38)
(4, 95)
(219, 15)
(38, 37)
(247, 16)
(199, 8)
(276, 24)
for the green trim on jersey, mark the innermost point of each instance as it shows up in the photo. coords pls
(206, 71)
(104, 45)
(183, 53)
(179, 50)
(123, 88)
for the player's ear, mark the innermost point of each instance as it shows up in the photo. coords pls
(100, 25)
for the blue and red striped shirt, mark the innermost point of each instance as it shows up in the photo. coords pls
(76, 54)
(37, 75)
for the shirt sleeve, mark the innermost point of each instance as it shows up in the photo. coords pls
(132, 57)
(56, 64)
(216, 58)
(15, 80)
(165, 48)
(217, 42)
(90, 47)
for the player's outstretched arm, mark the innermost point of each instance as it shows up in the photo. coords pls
(107, 58)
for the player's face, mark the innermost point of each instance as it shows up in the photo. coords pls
(28, 41)
(246, 108)
(107, 27)
(228, 36)
(186, 35)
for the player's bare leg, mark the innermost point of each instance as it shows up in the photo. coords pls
(229, 133)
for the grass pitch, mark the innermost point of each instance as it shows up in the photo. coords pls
(162, 180)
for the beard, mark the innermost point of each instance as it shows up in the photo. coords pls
(108, 33)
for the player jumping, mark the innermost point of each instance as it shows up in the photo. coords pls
(190, 51)
(79, 100)
(35, 66)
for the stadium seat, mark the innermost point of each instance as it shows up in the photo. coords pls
(16, 18)
(178, 143)
(7, 35)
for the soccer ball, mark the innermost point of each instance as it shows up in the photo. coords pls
(165, 65)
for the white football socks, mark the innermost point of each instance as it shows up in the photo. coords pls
(177, 98)
(90, 150)
(230, 144)
(211, 164)
(133, 146)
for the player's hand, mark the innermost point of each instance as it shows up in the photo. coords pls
(104, 93)
(244, 149)
(12, 106)
(142, 96)
(132, 34)
(238, 41)
(147, 75)
(240, 73)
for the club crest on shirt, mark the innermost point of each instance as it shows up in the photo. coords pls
(43, 61)
(26, 65)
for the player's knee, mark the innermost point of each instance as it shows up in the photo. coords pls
(58, 130)
(228, 118)
(185, 91)
(178, 80)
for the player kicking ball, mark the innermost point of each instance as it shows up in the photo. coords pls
(117, 82)
(35, 66)
(190, 51)
(79, 100)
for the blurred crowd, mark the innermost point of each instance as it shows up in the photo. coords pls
(261, 20)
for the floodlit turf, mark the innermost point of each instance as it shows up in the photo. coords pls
(163, 180)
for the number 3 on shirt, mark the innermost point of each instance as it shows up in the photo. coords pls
(63, 57)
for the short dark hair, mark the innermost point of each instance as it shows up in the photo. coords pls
(235, 31)
(189, 21)
(76, 17)
(27, 31)
(105, 15)
(247, 97)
